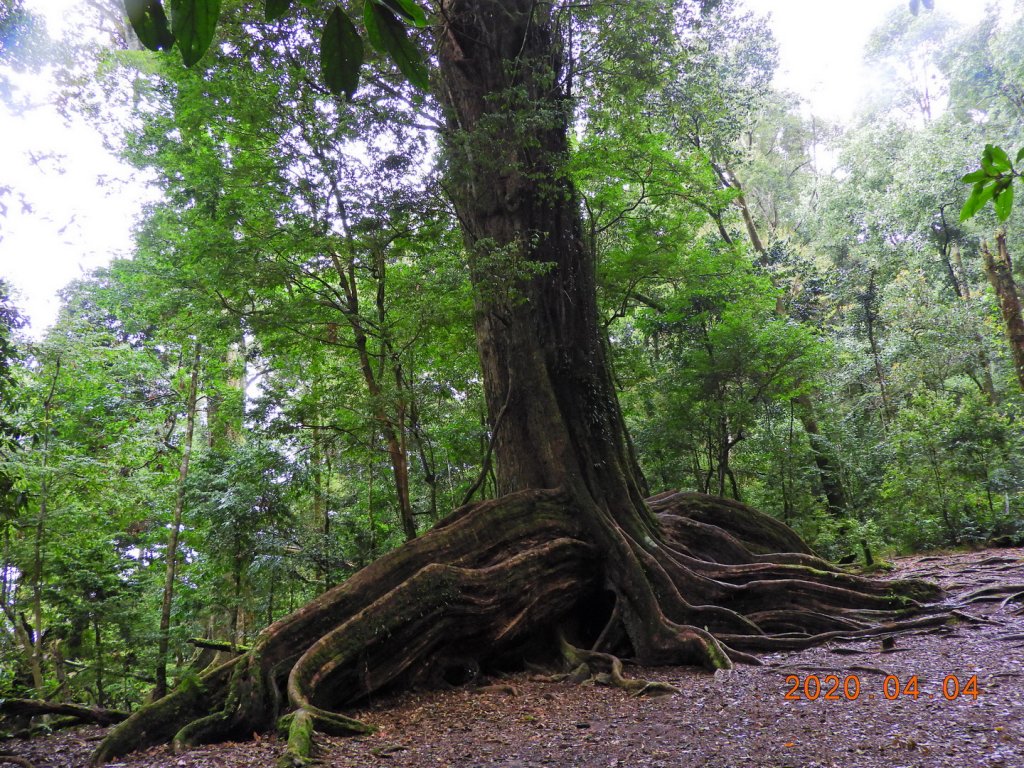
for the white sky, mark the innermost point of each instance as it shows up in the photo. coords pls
(70, 224)
(61, 221)
(820, 44)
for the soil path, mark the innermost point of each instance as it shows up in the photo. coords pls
(725, 720)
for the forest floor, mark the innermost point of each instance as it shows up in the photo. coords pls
(722, 720)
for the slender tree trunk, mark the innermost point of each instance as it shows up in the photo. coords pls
(729, 181)
(824, 458)
(320, 515)
(391, 426)
(962, 286)
(389, 429)
(101, 696)
(36, 654)
(170, 573)
(425, 451)
(999, 271)
(868, 300)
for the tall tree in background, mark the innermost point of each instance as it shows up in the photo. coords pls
(11, 321)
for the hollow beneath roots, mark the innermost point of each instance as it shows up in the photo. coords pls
(500, 582)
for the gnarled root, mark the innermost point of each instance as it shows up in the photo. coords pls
(492, 586)
(583, 663)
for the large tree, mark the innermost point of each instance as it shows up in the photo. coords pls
(572, 547)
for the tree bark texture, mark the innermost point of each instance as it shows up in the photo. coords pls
(999, 271)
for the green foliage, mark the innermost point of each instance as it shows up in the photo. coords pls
(723, 356)
(341, 54)
(240, 518)
(12, 498)
(946, 451)
(992, 181)
(193, 25)
(275, 9)
(150, 23)
(386, 32)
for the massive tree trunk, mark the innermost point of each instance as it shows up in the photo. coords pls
(571, 547)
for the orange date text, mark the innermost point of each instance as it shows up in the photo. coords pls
(850, 688)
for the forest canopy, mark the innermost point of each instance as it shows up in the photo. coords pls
(536, 275)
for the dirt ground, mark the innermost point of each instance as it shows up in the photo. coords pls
(968, 710)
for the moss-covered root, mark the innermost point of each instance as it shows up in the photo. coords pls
(166, 718)
(200, 731)
(303, 723)
(300, 726)
(577, 659)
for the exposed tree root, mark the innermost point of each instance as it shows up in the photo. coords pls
(581, 661)
(18, 715)
(991, 594)
(217, 645)
(15, 760)
(497, 582)
(1015, 597)
(75, 713)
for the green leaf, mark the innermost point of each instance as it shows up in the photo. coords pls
(149, 21)
(996, 158)
(275, 9)
(975, 176)
(1020, 155)
(1002, 160)
(1003, 202)
(387, 34)
(341, 54)
(373, 34)
(408, 10)
(193, 23)
(980, 195)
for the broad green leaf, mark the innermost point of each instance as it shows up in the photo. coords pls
(980, 195)
(149, 21)
(341, 54)
(387, 34)
(975, 176)
(1020, 155)
(1003, 202)
(408, 10)
(1000, 157)
(986, 160)
(995, 158)
(275, 9)
(371, 12)
(193, 23)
